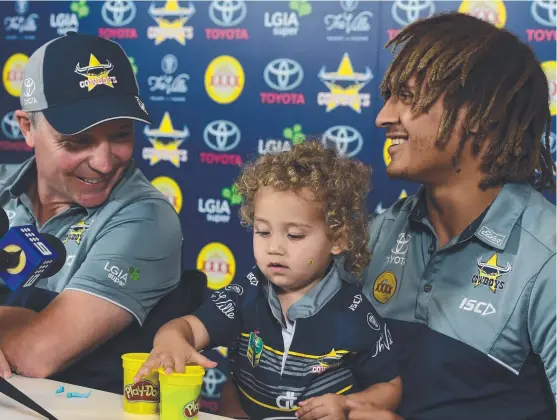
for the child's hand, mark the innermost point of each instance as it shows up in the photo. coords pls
(172, 352)
(328, 406)
(359, 410)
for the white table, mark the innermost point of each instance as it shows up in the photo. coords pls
(99, 405)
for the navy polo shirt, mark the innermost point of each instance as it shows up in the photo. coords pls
(474, 320)
(332, 341)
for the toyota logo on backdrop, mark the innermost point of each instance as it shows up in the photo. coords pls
(283, 74)
(347, 140)
(221, 135)
(227, 12)
(118, 12)
(544, 12)
(10, 127)
(405, 12)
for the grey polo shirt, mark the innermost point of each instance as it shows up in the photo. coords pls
(475, 319)
(127, 251)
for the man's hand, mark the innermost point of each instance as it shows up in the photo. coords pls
(5, 370)
(328, 406)
(358, 410)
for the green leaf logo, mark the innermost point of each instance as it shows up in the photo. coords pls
(80, 8)
(294, 134)
(231, 194)
(134, 273)
(302, 7)
(134, 66)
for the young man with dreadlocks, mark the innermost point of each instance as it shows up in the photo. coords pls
(465, 269)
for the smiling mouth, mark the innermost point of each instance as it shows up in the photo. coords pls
(396, 140)
(92, 181)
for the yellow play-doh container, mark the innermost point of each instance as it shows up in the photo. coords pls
(143, 396)
(181, 393)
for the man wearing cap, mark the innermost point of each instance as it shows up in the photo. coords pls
(122, 236)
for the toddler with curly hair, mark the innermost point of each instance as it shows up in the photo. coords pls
(303, 342)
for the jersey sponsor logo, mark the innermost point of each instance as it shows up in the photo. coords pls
(252, 279)
(384, 287)
(69, 260)
(491, 236)
(357, 300)
(255, 349)
(330, 360)
(372, 322)
(120, 276)
(76, 232)
(224, 304)
(398, 253)
(287, 401)
(235, 288)
(384, 343)
(489, 273)
(473, 305)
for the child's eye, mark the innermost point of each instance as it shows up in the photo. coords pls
(296, 237)
(261, 233)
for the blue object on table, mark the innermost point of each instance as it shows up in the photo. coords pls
(60, 390)
(78, 395)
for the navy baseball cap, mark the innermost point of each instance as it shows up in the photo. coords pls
(79, 81)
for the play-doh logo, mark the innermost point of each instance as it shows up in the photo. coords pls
(142, 391)
(191, 409)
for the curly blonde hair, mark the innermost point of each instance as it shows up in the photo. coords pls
(340, 184)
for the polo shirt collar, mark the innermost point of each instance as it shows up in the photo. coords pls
(495, 224)
(313, 301)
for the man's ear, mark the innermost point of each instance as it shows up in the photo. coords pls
(25, 127)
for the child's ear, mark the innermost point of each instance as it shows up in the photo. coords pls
(340, 245)
(337, 249)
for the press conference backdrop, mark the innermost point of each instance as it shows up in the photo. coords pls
(228, 81)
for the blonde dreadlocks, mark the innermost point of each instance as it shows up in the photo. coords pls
(499, 79)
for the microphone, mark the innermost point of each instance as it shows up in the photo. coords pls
(27, 256)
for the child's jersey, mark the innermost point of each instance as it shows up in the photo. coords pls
(332, 342)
